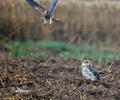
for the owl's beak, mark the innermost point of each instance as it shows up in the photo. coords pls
(83, 64)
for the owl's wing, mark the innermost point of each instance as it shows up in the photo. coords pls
(94, 70)
(52, 7)
(36, 6)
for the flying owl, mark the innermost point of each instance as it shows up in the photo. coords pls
(89, 71)
(47, 14)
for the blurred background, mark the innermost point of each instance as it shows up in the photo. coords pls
(87, 26)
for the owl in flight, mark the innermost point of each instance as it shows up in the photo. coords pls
(47, 14)
(89, 71)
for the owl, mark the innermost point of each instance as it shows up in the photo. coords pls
(89, 71)
(47, 14)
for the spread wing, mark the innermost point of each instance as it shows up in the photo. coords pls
(36, 6)
(52, 7)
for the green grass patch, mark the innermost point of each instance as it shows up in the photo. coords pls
(61, 49)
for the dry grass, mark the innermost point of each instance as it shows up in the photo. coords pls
(88, 22)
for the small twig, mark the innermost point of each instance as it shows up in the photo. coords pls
(19, 97)
(109, 67)
(2, 82)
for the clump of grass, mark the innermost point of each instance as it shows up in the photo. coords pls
(17, 49)
(28, 48)
(65, 54)
(22, 49)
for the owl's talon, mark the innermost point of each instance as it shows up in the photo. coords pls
(45, 21)
(50, 21)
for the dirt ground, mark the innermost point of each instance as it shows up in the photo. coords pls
(49, 78)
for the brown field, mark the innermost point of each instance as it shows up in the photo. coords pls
(38, 78)
(52, 78)
(95, 22)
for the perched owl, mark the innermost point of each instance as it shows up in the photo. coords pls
(89, 71)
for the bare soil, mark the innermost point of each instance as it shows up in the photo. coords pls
(49, 78)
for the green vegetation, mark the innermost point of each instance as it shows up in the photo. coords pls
(60, 49)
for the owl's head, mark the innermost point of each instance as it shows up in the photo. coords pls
(86, 63)
(46, 14)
